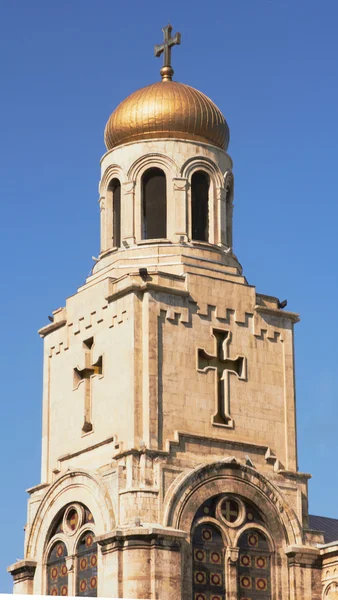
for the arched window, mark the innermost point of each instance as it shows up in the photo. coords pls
(86, 565)
(200, 206)
(208, 563)
(115, 189)
(254, 566)
(216, 520)
(68, 522)
(57, 572)
(154, 204)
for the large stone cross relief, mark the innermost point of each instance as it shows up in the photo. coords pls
(86, 375)
(223, 367)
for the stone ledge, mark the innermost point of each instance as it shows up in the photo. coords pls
(277, 312)
(141, 536)
(305, 555)
(22, 570)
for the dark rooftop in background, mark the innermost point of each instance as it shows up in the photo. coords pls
(327, 525)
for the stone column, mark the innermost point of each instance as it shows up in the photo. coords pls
(231, 558)
(23, 576)
(128, 213)
(180, 209)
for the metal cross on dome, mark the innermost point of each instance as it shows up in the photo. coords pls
(167, 70)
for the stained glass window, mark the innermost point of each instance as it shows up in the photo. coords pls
(208, 563)
(86, 566)
(254, 566)
(57, 573)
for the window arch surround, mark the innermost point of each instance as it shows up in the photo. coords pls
(135, 175)
(216, 181)
(113, 172)
(203, 482)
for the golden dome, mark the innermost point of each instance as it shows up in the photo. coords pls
(167, 109)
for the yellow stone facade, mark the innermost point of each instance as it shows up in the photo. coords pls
(169, 386)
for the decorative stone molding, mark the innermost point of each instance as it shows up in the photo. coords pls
(192, 489)
(196, 163)
(141, 536)
(72, 486)
(149, 160)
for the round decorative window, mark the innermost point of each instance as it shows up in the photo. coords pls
(73, 518)
(231, 510)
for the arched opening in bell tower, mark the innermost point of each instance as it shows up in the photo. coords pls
(154, 204)
(200, 184)
(115, 190)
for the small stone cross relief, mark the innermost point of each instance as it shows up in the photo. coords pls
(223, 367)
(86, 375)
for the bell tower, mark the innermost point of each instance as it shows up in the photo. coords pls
(169, 460)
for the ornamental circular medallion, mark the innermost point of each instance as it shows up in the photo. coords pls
(206, 510)
(54, 573)
(261, 562)
(261, 584)
(64, 570)
(199, 555)
(83, 585)
(64, 590)
(245, 582)
(215, 557)
(90, 517)
(253, 539)
(245, 560)
(216, 598)
(215, 579)
(89, 540)
(250, 516)
(200, 597)
(206, 534)
(93, 582)
(93, 560)
(83, 564)
(231, 511)
(200, 577)
(59, 550)
(53, 592)
(73, 518)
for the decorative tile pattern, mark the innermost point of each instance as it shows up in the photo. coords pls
(254, 567)
(208, 564)
(57, 573)
(86, 566)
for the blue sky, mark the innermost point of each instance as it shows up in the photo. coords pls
(271, 66)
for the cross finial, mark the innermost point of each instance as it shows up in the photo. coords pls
(167, 71)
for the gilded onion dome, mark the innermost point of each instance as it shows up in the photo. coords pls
(167, 109)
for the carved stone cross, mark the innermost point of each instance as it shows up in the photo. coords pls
(90, 370)
(223, 366)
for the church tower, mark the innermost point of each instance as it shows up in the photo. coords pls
(169, 459)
